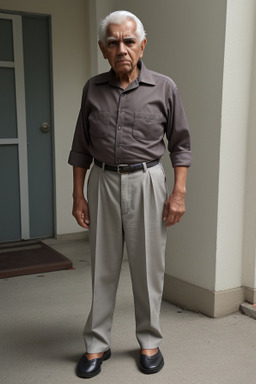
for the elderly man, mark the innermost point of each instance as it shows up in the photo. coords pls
(124, 116)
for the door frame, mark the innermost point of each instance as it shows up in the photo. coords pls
(21, 140)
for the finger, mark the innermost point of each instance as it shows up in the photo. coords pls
(173, 219)
(166, 211)
(80, 218)
(170, 220)
(86, 218)
(82, 223)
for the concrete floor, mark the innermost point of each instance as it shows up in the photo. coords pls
(42, 319)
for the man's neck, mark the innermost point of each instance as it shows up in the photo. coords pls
(127, 78)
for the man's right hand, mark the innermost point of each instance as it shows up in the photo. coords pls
(81, 212)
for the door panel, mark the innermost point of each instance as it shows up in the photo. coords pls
(10, 164)
(26, 161)
(38, 110)
(10, 223)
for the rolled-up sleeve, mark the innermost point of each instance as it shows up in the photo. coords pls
(80, 155)
(178, 135)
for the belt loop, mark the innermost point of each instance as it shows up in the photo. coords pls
(145, 168)
(103, 166)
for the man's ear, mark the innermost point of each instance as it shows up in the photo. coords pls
(142, 47)
(102, 48)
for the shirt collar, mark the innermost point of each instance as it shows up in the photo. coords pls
(145, 76)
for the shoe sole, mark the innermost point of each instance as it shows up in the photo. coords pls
(153, 370)
(95, 373)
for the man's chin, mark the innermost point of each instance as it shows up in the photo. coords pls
(123, 68)
(125, 64)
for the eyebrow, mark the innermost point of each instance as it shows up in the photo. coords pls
(112, 38)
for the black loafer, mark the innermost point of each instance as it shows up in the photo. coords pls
(151, 364)
(90, 368)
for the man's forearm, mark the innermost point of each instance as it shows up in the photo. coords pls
(78, 181)
(180, 179)
(174, 207)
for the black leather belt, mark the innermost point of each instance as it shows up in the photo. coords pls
(125, 168)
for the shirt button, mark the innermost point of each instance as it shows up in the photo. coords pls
(119, 128)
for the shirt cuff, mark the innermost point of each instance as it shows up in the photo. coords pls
(77, 159)
(181, 159)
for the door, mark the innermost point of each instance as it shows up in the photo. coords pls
(26, 160)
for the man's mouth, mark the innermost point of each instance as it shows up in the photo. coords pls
(123, 61)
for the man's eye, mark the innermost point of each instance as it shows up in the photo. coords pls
(111, 43)
(129, 42)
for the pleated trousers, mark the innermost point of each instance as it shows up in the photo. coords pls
(128, 209)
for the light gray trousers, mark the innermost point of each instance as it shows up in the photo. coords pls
(127, 207)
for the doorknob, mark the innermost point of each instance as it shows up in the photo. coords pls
(45, 127)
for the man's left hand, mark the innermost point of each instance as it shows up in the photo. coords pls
(174, 208)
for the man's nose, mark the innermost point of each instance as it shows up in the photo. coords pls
(122, 48)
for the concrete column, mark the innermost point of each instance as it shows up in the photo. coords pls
(235, 199)
(231, 260)
(249, 245)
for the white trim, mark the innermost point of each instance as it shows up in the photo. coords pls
(7, 64)
(9, 141)
(21, 124)
(198, 299)
(7, 16)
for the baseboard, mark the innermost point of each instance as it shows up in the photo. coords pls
(250, 295)
(228, 301)
(197, 299)
(73, 236)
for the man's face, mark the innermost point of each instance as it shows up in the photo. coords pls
(122, 48)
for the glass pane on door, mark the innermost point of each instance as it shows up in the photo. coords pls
(8, 120)
(6, 40)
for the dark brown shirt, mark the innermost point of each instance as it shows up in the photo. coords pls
(117, 126)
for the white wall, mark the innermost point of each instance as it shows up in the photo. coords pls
(98, 10)
(71, 69)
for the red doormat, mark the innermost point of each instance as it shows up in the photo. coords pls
(32, 258)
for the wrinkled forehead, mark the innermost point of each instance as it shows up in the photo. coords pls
(127, 29)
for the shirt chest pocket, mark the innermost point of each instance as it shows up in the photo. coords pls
(148, 126)
(99, 124)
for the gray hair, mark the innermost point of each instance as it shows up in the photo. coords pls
(118, 17)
